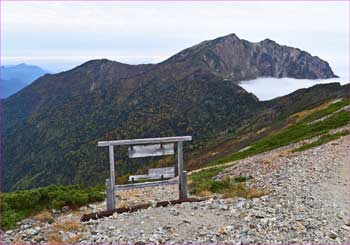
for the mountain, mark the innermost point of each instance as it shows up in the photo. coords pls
(238, 59)
(51, 127)
(16, 77)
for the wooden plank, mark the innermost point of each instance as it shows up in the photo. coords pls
(172, 202)
(151, 150)
(168, 171)
(155, 173)
(138, 177)
(87, 217)
(150, 177)
(112, 174)
(145, 184)
(145, 141)
(185, 192)
(182, 194)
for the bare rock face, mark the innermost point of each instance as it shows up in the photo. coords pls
(238, 59)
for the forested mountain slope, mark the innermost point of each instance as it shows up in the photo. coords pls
(50, 128)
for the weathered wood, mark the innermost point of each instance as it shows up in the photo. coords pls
(155, 173)
(145, 184)
(87, 217)
(185, 191)
(137, 151)
(138, 177)
(109, 195)
(167, 172)
(182, 181)
(149, 177)
(145, 141)
(112, 174)
(178, 201)
(182, 194)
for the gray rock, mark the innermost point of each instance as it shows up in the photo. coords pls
(332, 235)
(92, 206)
(347, 221)
(140, 242)
(83, 208)
(65, 209)
(31, 232)
(173, 211)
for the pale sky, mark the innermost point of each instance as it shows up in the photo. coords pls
(60, 35)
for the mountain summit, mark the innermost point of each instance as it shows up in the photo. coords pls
(50, 128)
(238, 59)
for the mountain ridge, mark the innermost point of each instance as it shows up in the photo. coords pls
(16, 77)
(50, 128)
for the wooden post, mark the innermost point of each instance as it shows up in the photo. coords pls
(112, 175)
(185, 185)
(182, 194)
(109, 195)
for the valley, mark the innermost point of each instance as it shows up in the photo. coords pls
(51, 127)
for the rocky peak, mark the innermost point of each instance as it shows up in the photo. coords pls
(231, 38)
(267, 41)
(238, 59)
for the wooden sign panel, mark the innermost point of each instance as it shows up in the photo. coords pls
(167, 172)
(151, 150)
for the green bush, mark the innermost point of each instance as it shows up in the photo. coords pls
(18, 205)
(203, 181)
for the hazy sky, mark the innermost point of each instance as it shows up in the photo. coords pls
(59, 35)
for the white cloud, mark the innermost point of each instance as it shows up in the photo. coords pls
(135, 30)
(261, 87)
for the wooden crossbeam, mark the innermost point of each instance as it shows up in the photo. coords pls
(145, 141)
(146, 184)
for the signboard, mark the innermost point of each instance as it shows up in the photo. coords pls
(167, 172)
(151, 150)
(155, 173)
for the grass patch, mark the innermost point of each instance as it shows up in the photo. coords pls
(322, 140)
(54, 237)
(242, 178)
(292, 134)
(203, 184)
(18, 205)
(327, 111)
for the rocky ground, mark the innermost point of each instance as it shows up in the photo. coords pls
(308, 202)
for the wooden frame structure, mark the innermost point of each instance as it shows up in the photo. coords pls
(182, 175)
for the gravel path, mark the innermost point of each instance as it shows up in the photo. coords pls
(308, 202)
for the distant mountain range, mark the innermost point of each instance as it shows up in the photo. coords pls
(51, 127)
(16, 77)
